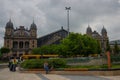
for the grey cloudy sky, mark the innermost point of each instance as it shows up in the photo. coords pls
(50, 15)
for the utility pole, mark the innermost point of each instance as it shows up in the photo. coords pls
(68, 8)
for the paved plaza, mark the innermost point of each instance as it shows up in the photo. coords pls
(5, 74)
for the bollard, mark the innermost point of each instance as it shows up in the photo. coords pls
(108, 60)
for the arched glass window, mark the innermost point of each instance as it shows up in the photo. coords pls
(20, 44)
(15, 44)
(26, 44)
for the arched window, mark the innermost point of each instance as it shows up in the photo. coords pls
(27, 44)
(15, 44)
(20, 44)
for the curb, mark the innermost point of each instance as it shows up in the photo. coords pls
(72, 69)
(67, 71)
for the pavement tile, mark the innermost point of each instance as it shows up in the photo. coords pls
(55, 77)
(111, 77)
(5, 74)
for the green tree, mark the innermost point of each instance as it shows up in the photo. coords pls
(56, 49)
(36, 51)
(4, 51)
(73, 44)
(77, 44)
(0, 53)
(108, 46)
(116, 48)
(46, 49)
(91, 45)
(99, 48)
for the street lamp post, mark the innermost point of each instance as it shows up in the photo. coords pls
(68, 8)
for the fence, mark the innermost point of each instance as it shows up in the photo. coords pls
(87, 61)
(115, 59)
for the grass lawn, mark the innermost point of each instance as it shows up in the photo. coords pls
(95, 67)
(116, 66)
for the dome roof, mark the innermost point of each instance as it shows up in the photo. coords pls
(20, 33)
(89, 30)
(103, 30)
(9, 24)
(33, 26)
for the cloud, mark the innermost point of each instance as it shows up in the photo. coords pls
(50, 15)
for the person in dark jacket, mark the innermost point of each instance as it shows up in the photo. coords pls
(46, 67)
(10, 65)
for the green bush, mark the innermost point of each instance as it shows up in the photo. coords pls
(32, 63)
(38, 63)
(58, 63)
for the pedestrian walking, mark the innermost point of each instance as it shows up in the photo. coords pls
(14, 64)
(46, 67)
(10, 65)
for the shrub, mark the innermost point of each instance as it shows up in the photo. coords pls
(32, 63)
(58, 63)
(38, 63)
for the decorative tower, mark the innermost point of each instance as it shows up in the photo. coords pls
(104, 32)
(89, 31)
(104, 39)
(33, 30)
(9, 28)
(33, 33)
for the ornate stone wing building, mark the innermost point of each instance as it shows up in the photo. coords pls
(52, 38)
(20, 40)
(102, 38)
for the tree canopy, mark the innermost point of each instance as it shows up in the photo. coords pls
(116, 49)
(78, 44)
(5, 50)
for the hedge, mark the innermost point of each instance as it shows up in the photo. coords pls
(38, 63)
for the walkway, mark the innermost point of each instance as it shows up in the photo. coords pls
(5, 74)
